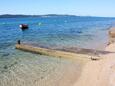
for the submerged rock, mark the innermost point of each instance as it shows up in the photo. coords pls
(5, 67)
(6, 54)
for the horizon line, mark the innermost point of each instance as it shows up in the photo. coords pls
(57, 15)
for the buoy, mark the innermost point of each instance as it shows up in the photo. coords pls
(23, 26)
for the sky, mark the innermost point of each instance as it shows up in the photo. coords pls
(103, 8)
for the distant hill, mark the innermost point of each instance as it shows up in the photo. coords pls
(48, 15)
(13, 16)
(21, 16)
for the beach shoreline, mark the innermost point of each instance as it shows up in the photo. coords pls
(27, 69)
(101, 72)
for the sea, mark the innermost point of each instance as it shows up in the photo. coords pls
(19, 68)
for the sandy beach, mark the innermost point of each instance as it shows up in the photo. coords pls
(100, 72)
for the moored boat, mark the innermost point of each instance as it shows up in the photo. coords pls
(23, 26)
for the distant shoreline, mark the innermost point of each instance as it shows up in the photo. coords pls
(47, 15)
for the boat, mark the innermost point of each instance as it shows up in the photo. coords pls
(23, 26)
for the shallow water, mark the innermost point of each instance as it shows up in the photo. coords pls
(32, 69)
(18, 68)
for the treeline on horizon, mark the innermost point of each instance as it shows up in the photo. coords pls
(48, 15)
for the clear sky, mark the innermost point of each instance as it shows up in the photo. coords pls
(71, 7)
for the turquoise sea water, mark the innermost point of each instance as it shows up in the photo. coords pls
(53, 32)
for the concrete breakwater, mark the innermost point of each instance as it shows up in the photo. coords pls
(51, 52)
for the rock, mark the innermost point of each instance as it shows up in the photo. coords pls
(112, 32)
(111, 35)
(5, 67)
(6, 54)
(94, 58)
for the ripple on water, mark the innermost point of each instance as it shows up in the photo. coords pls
(39, 70)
